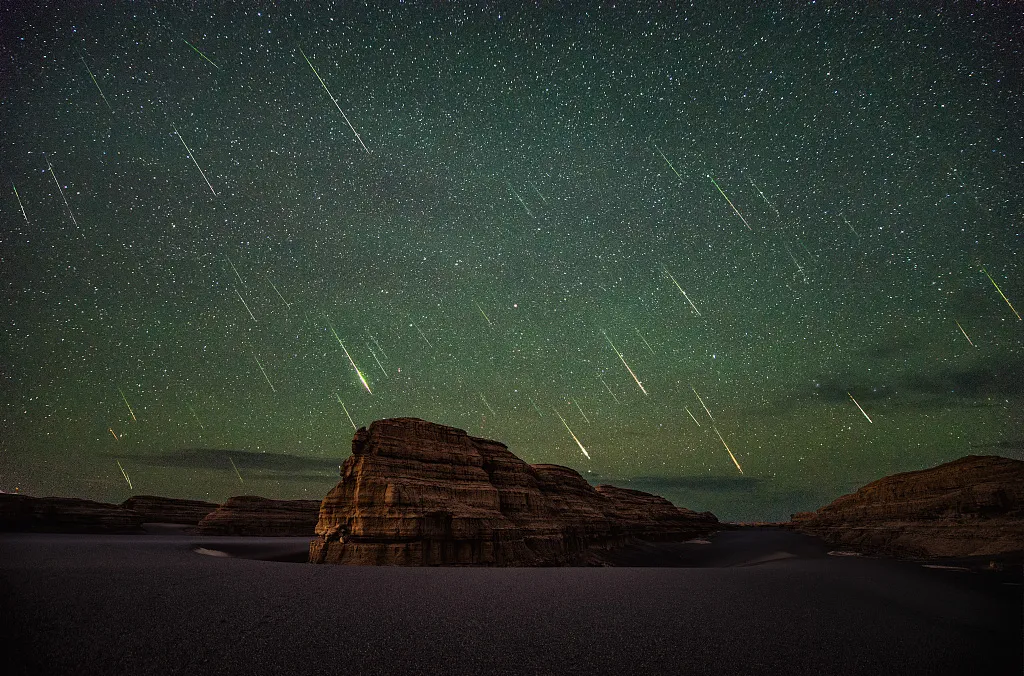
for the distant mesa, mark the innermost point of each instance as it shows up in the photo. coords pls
(23, 513)
(971, 507)
(417, 493)
(155, 509)
(255, 516)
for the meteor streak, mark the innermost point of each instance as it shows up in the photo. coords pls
(644, 339)
(22, 206)
(94, 81)
(235, 269)
(668, 163)
(535, 408)
(127, 404)
(286, 303)
(542, 198)
(1001, 293)
(855, 233)
(245, 304)
(196, 416)
(422, 335)
(731, 204)
(703, 404)
(66, 205)
(377, 344)
(570, 432)
(799, 267)
(193, 158)
(236, 470)
(691, 415)
(609, 389)
(377, 360)
(484, 399)
(345, 409)
(767, 201)
(483, 313)
(196, 50)
(861, 410)
(130, 487)
(734, 461)
(520, 200)
(111, 430)
(681, 291)
(639, 384)
(335, 101)
(354, 367)
(581, 411)
(272, 388)
(965, 333)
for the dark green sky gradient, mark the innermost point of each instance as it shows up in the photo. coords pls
(905, 123)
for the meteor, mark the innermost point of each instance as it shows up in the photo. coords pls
(535, 407)
(776, 211)
(286, 303)
(345, 409)
(965, 333)
(236, 470)
(609, 389)
(570, 432)
(235, 269)
(63, 197)
(855, 233)
(581, 411)
(127, 404)
(483, 313)
(420, 331)
(1000, 292)
(681, 290)
(94, 81)
(691, 415)
(22, 206)
(272, 388)
(377, 360)
(644, 339)
(861, 410)
(196, 50)
(622, 359)
(668, 163)
(111, 430)
(731, 204)
(130, 487)
(734, 461)
(335, 101)
(196, 416)
(520, 200)
(354, 367)
(193, 158)
(484, 399)
(703, 404)
(245, 304)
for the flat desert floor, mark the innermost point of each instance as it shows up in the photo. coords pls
(749, 602)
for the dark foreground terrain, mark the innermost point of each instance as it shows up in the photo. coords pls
(752, 602)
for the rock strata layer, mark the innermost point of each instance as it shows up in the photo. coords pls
(417, 493)
(256, 516)
(973, 506)
(65, 515)
(155, 509)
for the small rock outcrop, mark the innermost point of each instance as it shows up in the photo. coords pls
(155, 509)
(24, 513)
(969, 507)
(417, 493)
(256, 516)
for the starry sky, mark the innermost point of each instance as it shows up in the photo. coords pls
(778, 230)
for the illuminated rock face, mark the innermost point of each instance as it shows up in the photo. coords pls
(973, 506)
(417, 493)
(256, 516)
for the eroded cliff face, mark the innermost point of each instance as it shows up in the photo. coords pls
(155, 509)
(256, 516)
(417, 493)
(973, 506)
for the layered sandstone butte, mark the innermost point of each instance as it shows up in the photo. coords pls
(154, 509)
(256, 516)
(65, 515)
(417, 493)
(973, 506)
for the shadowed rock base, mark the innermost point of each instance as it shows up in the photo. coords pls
(416, 493)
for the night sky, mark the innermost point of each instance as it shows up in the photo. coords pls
(191, 228)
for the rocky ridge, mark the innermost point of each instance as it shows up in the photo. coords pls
(256, 516)
(418, 493)
(155, 509)
(971, 507)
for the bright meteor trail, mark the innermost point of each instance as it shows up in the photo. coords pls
(861, 410)
(570, 432)
(622, 359)
(1001, 293)
(127, 404)
(731, 204)
(354, 367)
(335, 101)
(734, 460)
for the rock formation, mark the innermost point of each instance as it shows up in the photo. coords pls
(65, 515)
(154, 509)
(418, 493)
(973, 506)
(256, 516)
